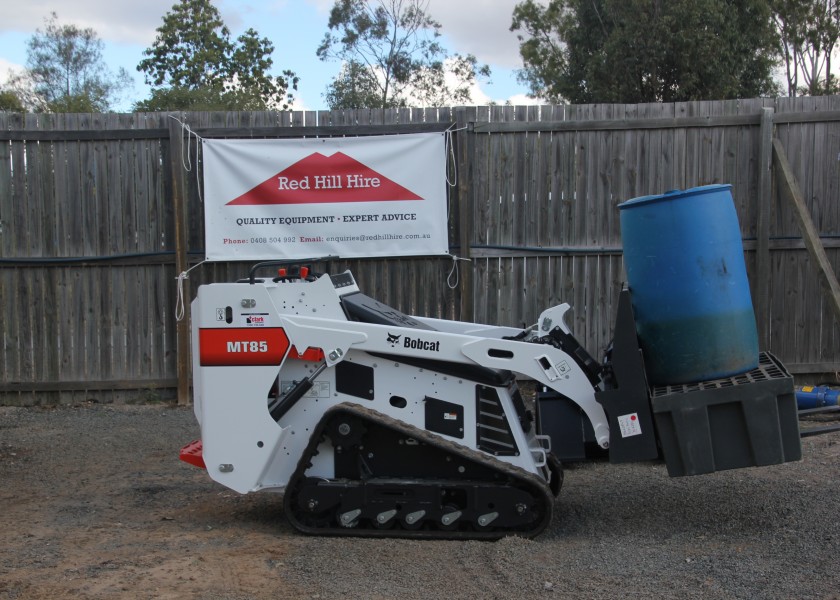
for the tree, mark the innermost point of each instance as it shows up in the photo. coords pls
(808, 34)
(391, 47)
(447, 82)
(587, 51)
(9, 101)
(193, 64)
(354, 87)
(66, 70)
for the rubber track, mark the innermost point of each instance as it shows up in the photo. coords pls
(536, 486)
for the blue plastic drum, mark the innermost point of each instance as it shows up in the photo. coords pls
(688, 281)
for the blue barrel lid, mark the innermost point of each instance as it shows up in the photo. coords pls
(674, 194)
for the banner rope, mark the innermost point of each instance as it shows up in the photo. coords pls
(186, 162)
(454, 271)
(451, 183)
(180, 305)
(450, 157)
(449, 149)
(186, 159)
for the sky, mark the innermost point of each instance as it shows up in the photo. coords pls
(296, 27)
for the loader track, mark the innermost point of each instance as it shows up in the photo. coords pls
(396, 480)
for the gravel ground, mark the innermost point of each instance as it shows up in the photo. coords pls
(96, 504)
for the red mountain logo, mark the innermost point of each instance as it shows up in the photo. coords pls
(318, 179)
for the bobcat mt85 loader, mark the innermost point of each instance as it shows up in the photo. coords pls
(374, 422)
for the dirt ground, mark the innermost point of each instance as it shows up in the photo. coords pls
(94, 503)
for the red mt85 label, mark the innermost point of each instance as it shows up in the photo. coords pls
(242, 346)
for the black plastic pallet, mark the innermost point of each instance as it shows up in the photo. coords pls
(745, 420)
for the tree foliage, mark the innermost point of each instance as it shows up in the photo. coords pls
(9, 101)
(66, 70)
(354, 87)
(392, 56)
(585, 51)
(808, 34)
(194, 64)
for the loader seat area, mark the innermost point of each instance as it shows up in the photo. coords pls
(364, 309)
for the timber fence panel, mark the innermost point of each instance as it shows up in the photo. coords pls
(8, 362)
(827, 181)
(17, 215)
(717, 149)
(87, 198)
(7, 196)
(805, 332)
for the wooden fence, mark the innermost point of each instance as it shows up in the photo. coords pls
(98, 214)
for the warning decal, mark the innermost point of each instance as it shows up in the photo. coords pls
(629, 425)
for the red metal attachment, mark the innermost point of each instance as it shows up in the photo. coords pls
(191, 453)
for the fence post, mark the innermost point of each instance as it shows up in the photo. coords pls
(464, 169)
(176, 147)
(764, 206)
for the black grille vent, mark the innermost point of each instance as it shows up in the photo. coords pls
(494, 434)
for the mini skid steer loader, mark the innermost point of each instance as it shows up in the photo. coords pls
(374, 422)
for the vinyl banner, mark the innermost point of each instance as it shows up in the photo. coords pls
(304, 198)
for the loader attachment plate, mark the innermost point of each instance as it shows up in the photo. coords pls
(393, 479)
